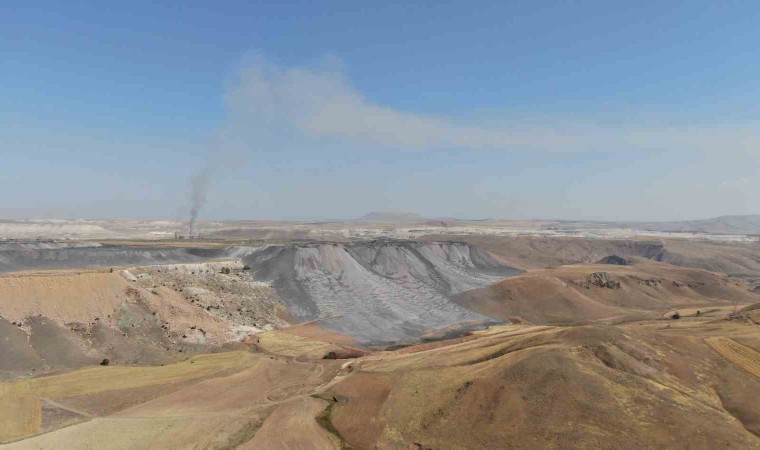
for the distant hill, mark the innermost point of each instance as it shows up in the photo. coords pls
(724, 224)
(748, 224)
(391, 217)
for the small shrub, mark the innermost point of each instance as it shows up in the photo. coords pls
(699, 313)
(105, 362)
(246, 267)
(331, 355)
(676, 316)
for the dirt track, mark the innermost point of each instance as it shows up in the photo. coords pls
(292, 426)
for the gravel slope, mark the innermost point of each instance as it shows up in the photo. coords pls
(28, 256)
(379, 291)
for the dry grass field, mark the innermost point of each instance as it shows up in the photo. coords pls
(580, 387)
(208, 401)
(649, 383)
(741, 355)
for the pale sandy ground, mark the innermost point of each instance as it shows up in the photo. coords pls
(65, 296)
(291, 426)
(20, 414)
(339, 230)
(102, 433)
(231, 396)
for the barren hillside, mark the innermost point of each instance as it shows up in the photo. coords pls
(582, 293)
(528, 252)
(377, 292)
(601, 387)
(270, 348)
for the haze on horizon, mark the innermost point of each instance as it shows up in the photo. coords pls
(583, 112)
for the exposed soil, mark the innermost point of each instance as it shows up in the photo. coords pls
(377, 292)
(583, 293)
(741, 259)
(597, 360)
(580, 387)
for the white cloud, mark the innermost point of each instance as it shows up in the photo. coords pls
(321, 103)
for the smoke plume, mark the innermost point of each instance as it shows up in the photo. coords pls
(199, 185)
(224, 153)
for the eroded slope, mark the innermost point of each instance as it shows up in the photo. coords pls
(583, 293)
(604, 387)
(377, 291)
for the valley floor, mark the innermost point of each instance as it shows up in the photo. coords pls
(652, 383)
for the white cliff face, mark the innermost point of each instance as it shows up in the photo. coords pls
(378, 291)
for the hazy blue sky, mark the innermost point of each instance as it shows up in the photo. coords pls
(580, 110)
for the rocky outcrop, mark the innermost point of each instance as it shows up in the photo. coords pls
(651, 282)
(614, 259)
(598, 279)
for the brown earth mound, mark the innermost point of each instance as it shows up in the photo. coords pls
(529, 252)
(584, 293)
(641, 385)
(603, 387)
(67, 296)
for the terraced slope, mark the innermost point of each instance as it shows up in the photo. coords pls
(380, 291)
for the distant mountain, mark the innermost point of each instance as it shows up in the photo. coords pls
(391, 217)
